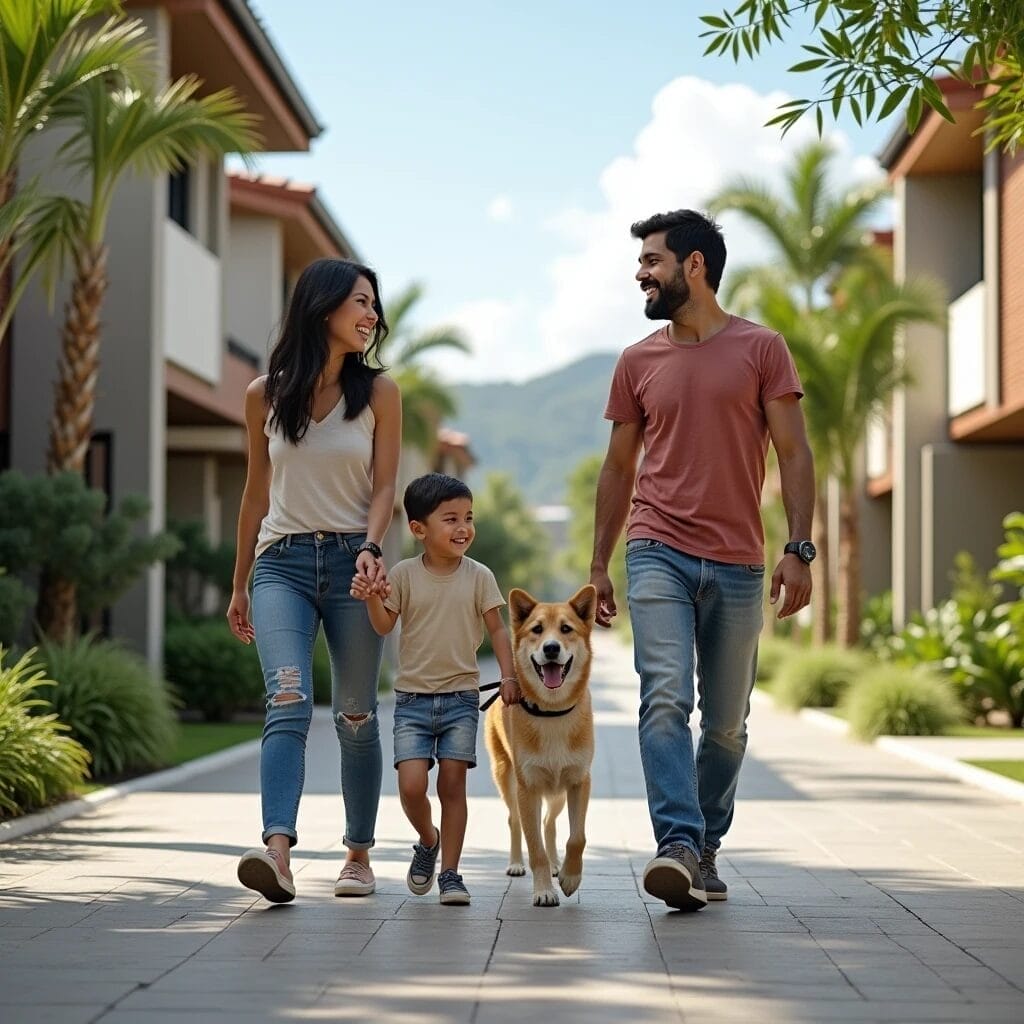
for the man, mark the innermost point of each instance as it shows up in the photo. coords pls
(701, 396)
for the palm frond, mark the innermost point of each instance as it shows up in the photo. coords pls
(431, 340)
(48, 49)
(397, 310)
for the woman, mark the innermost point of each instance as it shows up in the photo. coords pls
(324, 429)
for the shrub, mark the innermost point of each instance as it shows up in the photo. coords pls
(212, 672)
(816, 677)
(197, 566)
(15, 601)
(39, 762)
(113, 705)
(894, 700)
(772, 652)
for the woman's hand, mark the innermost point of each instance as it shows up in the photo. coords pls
(238, 616)
(373, 572)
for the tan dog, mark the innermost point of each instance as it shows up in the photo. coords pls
(542, 748)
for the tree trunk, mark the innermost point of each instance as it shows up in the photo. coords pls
(8, 183)
(848, 624)
(821, 595)
(75, 391)
(71, 423)
(57, 608)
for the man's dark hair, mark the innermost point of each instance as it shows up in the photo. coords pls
(425, 493)
(688, 231)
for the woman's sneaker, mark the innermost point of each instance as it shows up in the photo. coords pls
(355, 880)
(421, 871)
(713, 885)
(452, 889)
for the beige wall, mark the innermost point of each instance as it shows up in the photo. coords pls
(938, 233)
(254, 281)
(968, 489)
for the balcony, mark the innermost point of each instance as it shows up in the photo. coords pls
(192, 322)
(966, 351)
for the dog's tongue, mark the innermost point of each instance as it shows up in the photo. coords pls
(552, 673)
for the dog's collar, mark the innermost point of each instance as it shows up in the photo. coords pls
(538, 712)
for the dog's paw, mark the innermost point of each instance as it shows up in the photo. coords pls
(569, 883)
(545, 898)
(516, 869)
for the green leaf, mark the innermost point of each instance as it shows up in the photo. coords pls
(892, 101)
(914, 111)
(808, 65)
(713, 21)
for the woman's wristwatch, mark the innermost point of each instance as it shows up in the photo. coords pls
(374, 549)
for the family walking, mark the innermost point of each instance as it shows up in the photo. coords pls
(701, 398)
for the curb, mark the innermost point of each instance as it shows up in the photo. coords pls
(910, 751)
(30, 823)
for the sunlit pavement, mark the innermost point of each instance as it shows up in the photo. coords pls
(862, 888)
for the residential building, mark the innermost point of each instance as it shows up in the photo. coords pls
(948, 462)
(198, 268)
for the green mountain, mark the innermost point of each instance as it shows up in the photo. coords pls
(539, 430)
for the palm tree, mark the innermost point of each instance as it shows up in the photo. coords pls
(815, 234)
(117, 130)
(48, 50)
(850, 368)
(426, 401)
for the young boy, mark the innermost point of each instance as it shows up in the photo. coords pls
(442, 597)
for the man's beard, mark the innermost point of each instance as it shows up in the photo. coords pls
(668, 298)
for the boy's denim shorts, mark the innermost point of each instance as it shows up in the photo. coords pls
(436, 725)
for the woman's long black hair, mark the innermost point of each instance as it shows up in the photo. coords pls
(301, 352)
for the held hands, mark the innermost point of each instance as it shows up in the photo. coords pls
(238, 617)
(793, 574)
(371, 578)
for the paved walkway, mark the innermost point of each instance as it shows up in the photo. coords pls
(863, 888)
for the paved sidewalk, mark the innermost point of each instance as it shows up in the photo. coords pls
(862, 888)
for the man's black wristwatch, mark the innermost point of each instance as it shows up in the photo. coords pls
(374, 549)
(803, 549)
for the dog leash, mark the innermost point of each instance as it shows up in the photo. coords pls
(530, 709)
(493, 697)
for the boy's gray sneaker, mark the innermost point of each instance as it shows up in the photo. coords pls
(452, 889)
(713, 885)
(421, 871)
(674, 876)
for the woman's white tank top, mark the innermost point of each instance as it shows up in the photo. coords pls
(322, 483)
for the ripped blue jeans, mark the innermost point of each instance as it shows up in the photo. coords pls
(299, 582)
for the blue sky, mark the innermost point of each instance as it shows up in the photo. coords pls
(498, 152)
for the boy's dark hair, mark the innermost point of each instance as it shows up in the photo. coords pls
(425, 493)
(688, 231)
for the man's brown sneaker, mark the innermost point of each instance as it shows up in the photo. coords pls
(713, 885)
(674, 876)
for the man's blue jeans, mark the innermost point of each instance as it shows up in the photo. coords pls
(298, 583)
(692, 616)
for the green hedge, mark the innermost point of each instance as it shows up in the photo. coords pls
(816, 677)
(113, 704)
(212, 672)
(39, 761)
(896, 700)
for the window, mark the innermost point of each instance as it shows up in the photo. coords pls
(178, 198)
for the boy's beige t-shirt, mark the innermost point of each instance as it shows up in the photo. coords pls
(441, 624)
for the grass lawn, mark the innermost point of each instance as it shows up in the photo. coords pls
(1011, 769)
(196, 739)
(984, 732)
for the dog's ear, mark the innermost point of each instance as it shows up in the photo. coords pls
(584, 603)
(520, 605)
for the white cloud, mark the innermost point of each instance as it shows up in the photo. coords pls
(700, 137)
(500, 209)
(491, 327)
